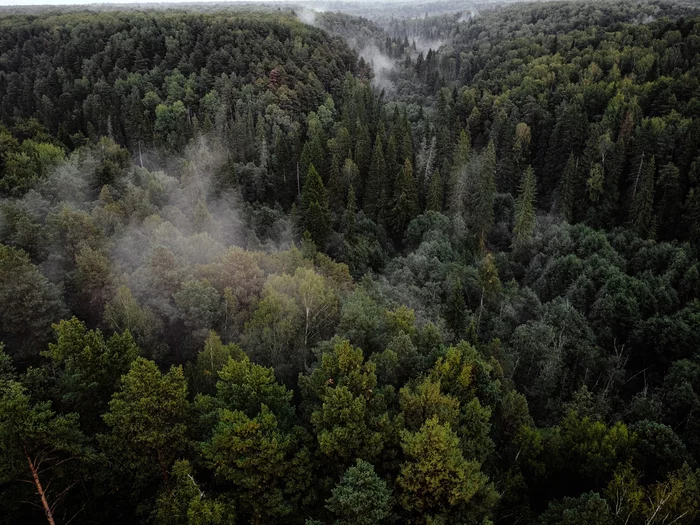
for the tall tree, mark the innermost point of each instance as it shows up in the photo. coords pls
(316, 218)
(642, 209)
(148, 421)
(405, 202)
(484, 195)
(434, 198)
(436, 480)
(525, 209)
(37, 446)
(375, 187)
(567, 189)
(361, 497)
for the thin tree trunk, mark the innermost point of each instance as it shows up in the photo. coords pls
(40, 490)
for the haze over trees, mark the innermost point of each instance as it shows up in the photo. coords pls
(262, 265)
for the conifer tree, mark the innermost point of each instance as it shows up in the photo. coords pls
(481, 208)
(147, 418)
(405, 203)
(436, 479)
(363, 151)
(595, 182)
(434, 198)
(361, 497)
(525, 209)
(567, 193)
(336, 188)
(349, 219)
(642, 212)
(314, 208)
(393, 164)
(375, 182)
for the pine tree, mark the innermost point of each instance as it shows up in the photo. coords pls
(405, 203)
(336, 188)
(455, 307)
(375, 182)
(148, 420)
(393, 164)
(363, 151)
(642, 212)
(436, 479)
(434, 199)
(596, 182)
(567, 193)
(316, 145)
(314, 208)
(484, 196)
(463, 150)
(348, 226)
(525, 209)
(35, 444)
(361, 497)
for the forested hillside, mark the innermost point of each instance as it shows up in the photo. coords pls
(430, 270)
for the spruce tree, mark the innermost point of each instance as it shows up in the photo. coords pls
(525, 209)
(363, 151)
(361, 497)
(434, 199)
(375, 182)
(349, 219)
(642, 212)
(405, 203)
(484, 194)
(567, 193)
(336, 188)
(393, 164)
(596, 182)
(314, 208)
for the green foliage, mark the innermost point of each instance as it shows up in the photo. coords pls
(244, 386)
(89, 367)
(31, 304)
(254, 455)
(360, 497)
(436, 479)
(437, 323)
(147, 418)
(525, 210)
(186, 504)
(314, 207)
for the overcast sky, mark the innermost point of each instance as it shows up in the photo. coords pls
(87, 2)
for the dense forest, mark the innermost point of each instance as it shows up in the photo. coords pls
(278, 266)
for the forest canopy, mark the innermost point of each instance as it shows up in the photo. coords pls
(271, 266)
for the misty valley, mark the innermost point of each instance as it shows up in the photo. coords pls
(350, 263)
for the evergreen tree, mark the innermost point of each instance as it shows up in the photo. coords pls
(436, 480)
(361, 497)
(596, 182)
(393, 164)
(481, 210)
(642, 209)
(567, 189)
(147, 418)
(256, 457)
(37, 446)
(316, 218)
(374, 188)
(525, 209)
(363, 152)
(405, 202)
(89, 367)
(185, 503)
(349, 216)
(435, 193)
(336, 186)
